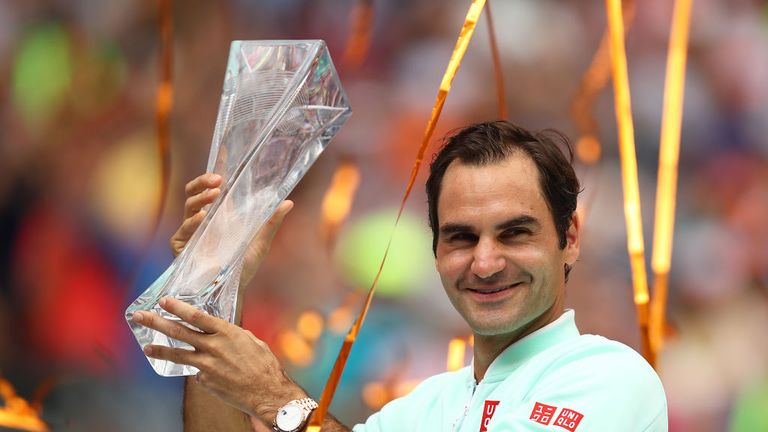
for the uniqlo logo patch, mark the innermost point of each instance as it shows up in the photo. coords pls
(542, 413)
(569, 419)
(488, 411)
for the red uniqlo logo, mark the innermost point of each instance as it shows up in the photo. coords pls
(542, 413)
(488, 411)
(569, 419)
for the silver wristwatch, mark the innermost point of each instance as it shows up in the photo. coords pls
(291, 417)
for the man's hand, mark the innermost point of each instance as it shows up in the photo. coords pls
(201, 191)
(204, 190)
(234, 365)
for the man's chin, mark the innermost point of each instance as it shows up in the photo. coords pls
(512, 326)
(494, 329)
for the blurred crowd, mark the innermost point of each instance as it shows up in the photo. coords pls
(81, 174)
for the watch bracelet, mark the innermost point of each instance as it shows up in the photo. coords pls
(308, 404)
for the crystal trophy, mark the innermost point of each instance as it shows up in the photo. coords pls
(281, 104)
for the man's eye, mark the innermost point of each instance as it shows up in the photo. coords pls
(515, 232)
(462, 237)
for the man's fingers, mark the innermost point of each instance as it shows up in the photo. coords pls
(175, 355)
(185, 231)
(262, 241)
(191, 225)
(201, 191)
(167, 327)
(201, 183)
(193, 315)
(195, 203)
(268, 231)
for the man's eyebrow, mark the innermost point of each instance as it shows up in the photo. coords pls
(452, 228)
(518, 221)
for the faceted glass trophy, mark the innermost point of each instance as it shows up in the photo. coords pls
(282, 103)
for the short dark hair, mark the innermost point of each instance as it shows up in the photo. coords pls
(491, 142)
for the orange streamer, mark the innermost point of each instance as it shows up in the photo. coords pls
(630, 185)
(669, 152)
(163, 106)
(588, 146)
(445, 86)
(497, 69)
(359, 40)
(594, 80)
(340, 193)
(164, 103)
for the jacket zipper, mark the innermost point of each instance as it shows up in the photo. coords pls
(460, 420)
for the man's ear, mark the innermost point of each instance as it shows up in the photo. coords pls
(572, 237)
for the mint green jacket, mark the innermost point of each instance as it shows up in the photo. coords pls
(554, 379)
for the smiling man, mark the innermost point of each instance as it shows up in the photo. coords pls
(501, 259)
(502, 208)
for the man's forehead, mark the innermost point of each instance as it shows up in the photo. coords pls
(518, 169)
(510, 185)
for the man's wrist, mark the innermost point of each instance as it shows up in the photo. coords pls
(265, 407)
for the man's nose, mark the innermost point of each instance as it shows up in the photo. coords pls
(487, 259)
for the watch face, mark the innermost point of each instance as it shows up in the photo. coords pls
(289, 417)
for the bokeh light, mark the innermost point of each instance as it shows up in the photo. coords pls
(750, 413)
(340, 319)
(125, 187)
(362, 245)
(588, 149)
(456, 351)
(310, 325)
(295, 348)
(42, 74)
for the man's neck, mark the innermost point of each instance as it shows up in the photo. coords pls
(487, 348)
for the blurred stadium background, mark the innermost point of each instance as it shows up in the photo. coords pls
(81, 173)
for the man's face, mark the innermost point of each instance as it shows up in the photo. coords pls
(497, 249)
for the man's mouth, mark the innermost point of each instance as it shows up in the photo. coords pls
(493, 290)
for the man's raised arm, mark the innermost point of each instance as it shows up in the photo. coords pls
(241, 384)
